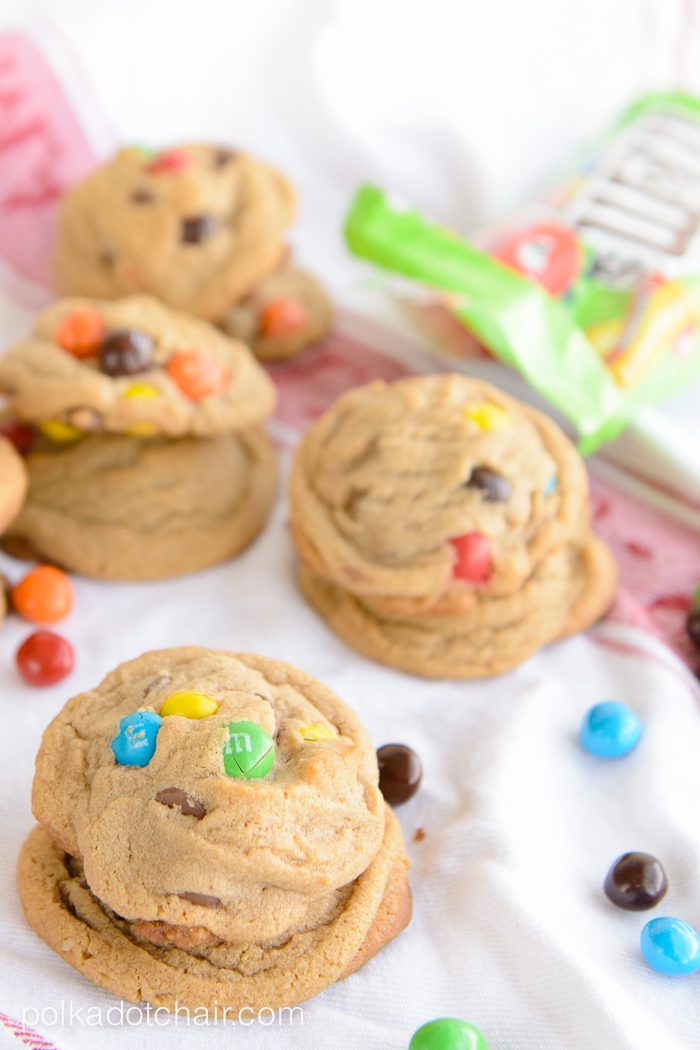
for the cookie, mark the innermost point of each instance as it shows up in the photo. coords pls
(286, 313)
(174, 881)
(197, 226)
(123, 508)
(132, 366)
(444, 529)
(13, 486)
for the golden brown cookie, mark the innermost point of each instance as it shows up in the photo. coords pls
(286, 313)
(197, 226)
(176, 881)
(443, 527)
(123, 508)
(133, 366)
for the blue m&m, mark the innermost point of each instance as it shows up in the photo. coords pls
(610, 730)
(671, 947)
(135, 743)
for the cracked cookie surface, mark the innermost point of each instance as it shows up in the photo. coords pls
(121, 508)
(175, 881)
(133, 366)
(443, 527)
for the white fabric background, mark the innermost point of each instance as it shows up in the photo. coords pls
(461, 107)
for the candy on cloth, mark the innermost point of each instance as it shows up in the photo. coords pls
(61, 433)
(45, 595)
(473, 557)
(135, 743)
(142, 392)
(198, 375)
(170, 161)
(447, 1033)
(249, 750)
(487, 416)
(400, 773)
(610, 730)
(281, 317)
(189, 704)
(671, 947)
(45, 658)
(81, 332)
(636, 882)
(316, 732)
(126, 351)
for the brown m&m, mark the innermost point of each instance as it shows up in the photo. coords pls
(126, 351)
(400, 773)
(636, 882)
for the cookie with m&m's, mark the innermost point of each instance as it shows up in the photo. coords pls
(443, 527)
(202, 844)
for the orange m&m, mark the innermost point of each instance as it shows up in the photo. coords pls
(198, 375)
(80, 332)
(45, 595)
(281, 317)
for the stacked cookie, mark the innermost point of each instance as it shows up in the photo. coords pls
(444, 529)
(212, 835)
(149, 460)
(201, 228)
(13, 485)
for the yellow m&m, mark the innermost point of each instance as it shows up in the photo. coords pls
(487, 416)
(61, 433)
(316, 732)
(189, 704)
(142, 392)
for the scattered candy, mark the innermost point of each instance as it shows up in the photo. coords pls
(197, 228)
(473, 557)
(45, 658)
(447, 1034)
(551, 486)
(198, 375)
(671, 947)
(400, 773)
(177, 798)
(636, 882)
(249, 751)
(488, 416)
(170, 160)
(282, 317)
(22, 435)
(610, 730)
(81, 332)
(126, 351)
(142, 392)
(135, 743)
(45, 595)
(316, 732)
(495, 487)
(60, 433)
(189, 704)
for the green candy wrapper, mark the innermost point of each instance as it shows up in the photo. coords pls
(595, 295)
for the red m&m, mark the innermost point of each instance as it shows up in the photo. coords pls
(473, 557)
(45, 658)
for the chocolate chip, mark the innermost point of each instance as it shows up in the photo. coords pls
(223, 157)
(177, 798)
(142, 196)
(495, 487)
(400, 773)
(106, 259)
(202, 899)
(126, 351)
(197, 228)
(157, 683)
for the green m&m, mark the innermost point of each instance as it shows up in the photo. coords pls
(447, 1034)
(249, 751)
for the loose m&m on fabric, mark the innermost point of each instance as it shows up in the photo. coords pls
(610, 730)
